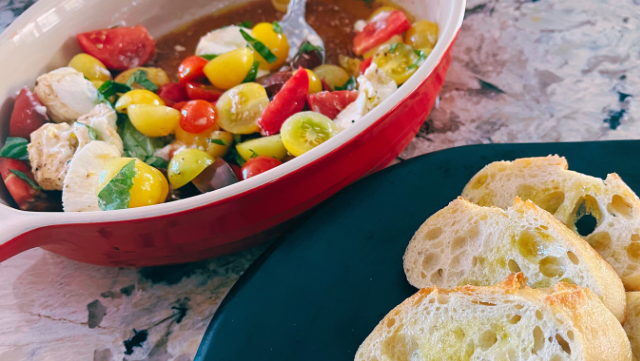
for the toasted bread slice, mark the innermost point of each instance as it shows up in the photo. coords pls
(632, 325)
(465, 244)
(508, 321)
(569, 196)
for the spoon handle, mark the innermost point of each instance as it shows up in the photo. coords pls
(296, 9)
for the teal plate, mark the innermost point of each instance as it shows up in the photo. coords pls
(317, 292)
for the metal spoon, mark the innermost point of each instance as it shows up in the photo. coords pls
(297, 30)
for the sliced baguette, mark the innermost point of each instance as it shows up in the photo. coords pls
(632, 326)
(569, 195)
(467, 244)
(508, 321)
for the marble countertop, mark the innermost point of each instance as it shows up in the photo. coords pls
(522, 71)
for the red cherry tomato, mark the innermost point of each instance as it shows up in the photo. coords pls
(203, 92)
(331, 103)
(379, 30)
(237, 171)
(119, 48)
(365, 64)
(28, 114)
(192, 69)
(172, 93)
(257, 165)
(289, 100)
(26, 197)
(197, 116)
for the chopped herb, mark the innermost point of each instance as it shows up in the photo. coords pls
(208, 56)
(111, 88)
(92, 132)
(277, 28)
(253, 73)
(117, 193)
(156, 162)
(246, 24)
(421, 57)
(253, 153)
(136, 144)
(16, 148)
(307, 47)
(349, 85)
(220, 142)
(232, 156)
(26, 178)
(259, 47)
(142, 78)
(393, 47)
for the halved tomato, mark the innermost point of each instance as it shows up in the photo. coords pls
(290, 100)
(203, 92)
(331, 104)
(28, 114)
(119, 48)
(192, 69)
(172, 93)
(24, 194)
(381, 28)
(365, 64)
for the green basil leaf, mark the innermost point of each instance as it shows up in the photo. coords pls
(117, 193)
(136, 144)
(246, 24)
(393, 47)
(307, 47)
(92, 132)
(349, 85)
(156, 162)
(26, 178)
(220, 142)
(421, 57)
(111, 88)
(276, 27)
(141, 77)
(208, 56)
(259, 47)
(16, 148)
(253, 73)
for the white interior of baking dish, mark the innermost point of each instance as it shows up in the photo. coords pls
(43, 39)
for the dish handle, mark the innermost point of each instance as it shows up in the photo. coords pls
(13, 226)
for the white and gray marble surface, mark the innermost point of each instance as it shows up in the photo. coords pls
(522, 71)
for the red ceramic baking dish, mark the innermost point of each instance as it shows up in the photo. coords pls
(220, 222)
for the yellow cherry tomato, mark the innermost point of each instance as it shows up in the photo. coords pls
(229, 69)
(332, 74)
(137, 96)
(280, 5)
(268, 146)
(240, 107)
(149, 184)
(350, 65)
(97, 83)
(155, 75)
(399, 62)
(306, 130)
(154, 120)
(90, 67)
(422, 35)
(277, 43)
(315, 85)
(213, 141)
(382, 9)
(393, 40)
(186, 165)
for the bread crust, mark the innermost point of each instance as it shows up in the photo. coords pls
(468, 244)
(590, 331)
(569, 195)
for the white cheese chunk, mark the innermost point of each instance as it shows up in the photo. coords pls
(51, 148)
(374, 86)
(221, 41)
(103, 120)
(66, 94)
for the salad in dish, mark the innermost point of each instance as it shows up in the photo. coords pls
(119, 128)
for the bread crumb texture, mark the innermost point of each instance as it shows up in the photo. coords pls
(466, 244)
(570, 196)
(508, 321)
